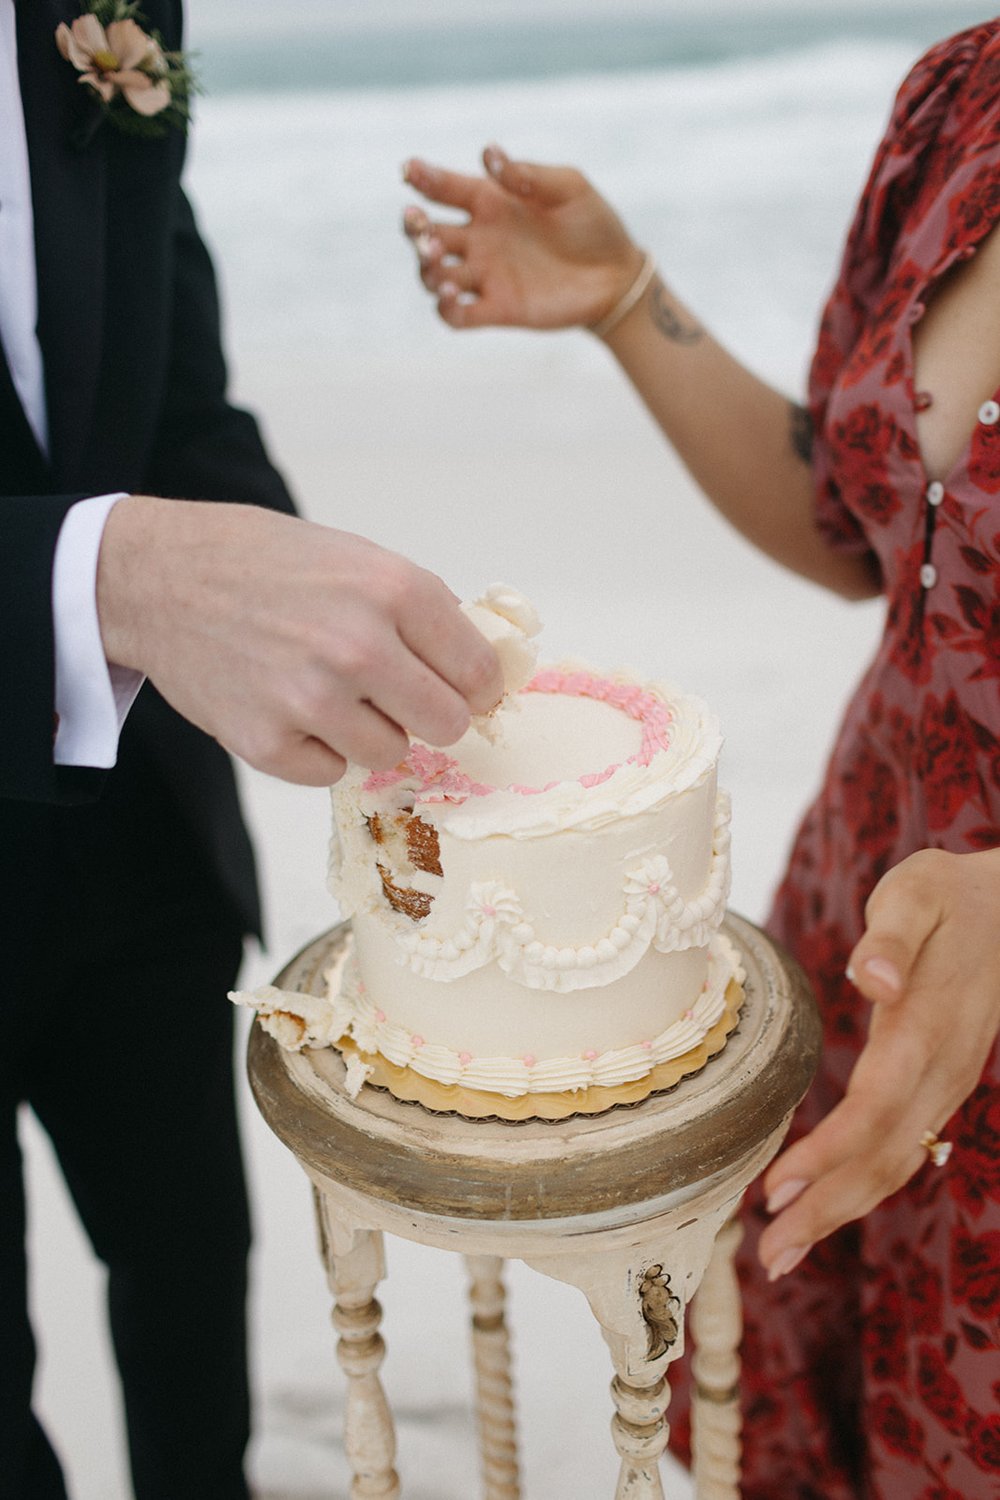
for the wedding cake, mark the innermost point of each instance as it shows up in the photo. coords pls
(534, 912)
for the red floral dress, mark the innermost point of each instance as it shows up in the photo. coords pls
(874, 1369)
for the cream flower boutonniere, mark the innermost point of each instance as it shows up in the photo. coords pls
(139, 86)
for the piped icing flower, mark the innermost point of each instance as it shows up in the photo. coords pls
(510, 623)
(119, 59)
(139, 86)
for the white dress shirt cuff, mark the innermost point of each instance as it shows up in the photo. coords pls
(92, 697)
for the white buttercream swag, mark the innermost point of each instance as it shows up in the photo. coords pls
(495, 927)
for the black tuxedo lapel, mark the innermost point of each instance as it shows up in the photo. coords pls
(23, 469)
(68, 186)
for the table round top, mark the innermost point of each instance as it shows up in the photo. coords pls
(448, 1166)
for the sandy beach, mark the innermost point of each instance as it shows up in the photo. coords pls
(497, 456)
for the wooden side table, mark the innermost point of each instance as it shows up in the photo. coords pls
(635, 1207)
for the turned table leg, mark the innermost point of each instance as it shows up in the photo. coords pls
(716, 1329)
(639, 1298)
(640, 1390)
(494, 1387)
(640, 1433)
(640, 1318)
(355, 1264)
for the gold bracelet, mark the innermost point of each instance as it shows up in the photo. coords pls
(626, 303)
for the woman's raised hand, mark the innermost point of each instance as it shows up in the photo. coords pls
(540, 248)
(929, 963)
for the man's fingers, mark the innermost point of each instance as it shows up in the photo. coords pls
(349, 648)
(426, 684)
(370, 737)
(410, 663)
(415, 696)
(454, 650)
(303, 760)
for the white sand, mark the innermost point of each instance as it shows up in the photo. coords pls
(537, 468)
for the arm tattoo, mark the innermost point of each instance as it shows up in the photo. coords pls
(668, 322)
(801, 432)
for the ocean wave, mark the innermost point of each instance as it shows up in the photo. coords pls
(399, 44)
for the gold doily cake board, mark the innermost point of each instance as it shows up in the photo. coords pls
(476, 1104)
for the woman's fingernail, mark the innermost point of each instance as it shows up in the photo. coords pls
(493, 160)
(420, 173)
(787, 1261)
(884, 972)
(785, 1194)
(426, 245)
(849, 973)
(447, 289)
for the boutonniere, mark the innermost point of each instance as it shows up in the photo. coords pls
(140, 87)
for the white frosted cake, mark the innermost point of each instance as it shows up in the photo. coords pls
(534, 911)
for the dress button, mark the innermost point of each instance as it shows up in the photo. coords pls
(915, 312)
(928, 576)
(935, 492)
(989, 413)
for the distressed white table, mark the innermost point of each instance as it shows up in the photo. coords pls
(635, 1207)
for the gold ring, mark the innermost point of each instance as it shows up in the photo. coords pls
(938, 1151)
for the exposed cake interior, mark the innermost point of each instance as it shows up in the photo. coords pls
(538, 910)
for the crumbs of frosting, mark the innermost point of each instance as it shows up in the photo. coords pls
(510, 623)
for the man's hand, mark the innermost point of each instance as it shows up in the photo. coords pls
(930, 964)
(296, 646)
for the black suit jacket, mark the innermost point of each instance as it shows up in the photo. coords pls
(136, 389)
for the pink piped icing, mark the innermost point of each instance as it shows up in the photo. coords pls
(628, 697)
(441, 779)
(547, 681)
(594, 778)
(465, 1058)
